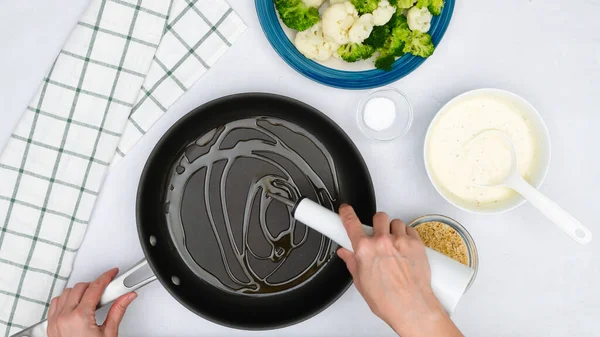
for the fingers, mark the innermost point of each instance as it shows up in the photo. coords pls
(412, 232)
(348, 257)
(92, 295)
(381, 223)
(53, 306)
(398, 227)
(62, 299)
(116, 313)
(352, 224)
(75, 295)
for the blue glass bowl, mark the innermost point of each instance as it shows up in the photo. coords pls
(366, 79)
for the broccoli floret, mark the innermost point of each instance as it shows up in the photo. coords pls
(419, 44)
(365, 6)
(378, 37)
(385, 62)
(397, 20)
(296, 15)
(399, 34)
(398, 24)
(422, 3)
(353, 52)
(395, 43)
(395, 47)
(436, 6)
(399, 38)
(402, 4)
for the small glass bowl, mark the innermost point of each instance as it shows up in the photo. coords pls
(464, 234)
(402, 122)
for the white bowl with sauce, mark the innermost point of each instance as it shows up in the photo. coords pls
(450, 166)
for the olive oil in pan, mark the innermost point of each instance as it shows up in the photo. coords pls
(222, 222)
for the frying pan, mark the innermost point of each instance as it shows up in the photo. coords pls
(227, 308)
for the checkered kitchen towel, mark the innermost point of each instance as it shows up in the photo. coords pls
(125, 63)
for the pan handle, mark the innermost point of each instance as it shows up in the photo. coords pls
(118, 287)
(122, 284)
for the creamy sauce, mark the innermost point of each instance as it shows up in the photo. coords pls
(461, 157)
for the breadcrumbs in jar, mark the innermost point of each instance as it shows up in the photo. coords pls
(444, 239)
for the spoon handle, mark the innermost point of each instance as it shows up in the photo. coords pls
(565, 221)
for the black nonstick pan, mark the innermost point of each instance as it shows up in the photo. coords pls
(298, 274)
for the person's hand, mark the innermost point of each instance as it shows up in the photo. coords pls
(73, 314)
(391, 271)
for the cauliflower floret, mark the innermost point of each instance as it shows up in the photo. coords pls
(361, 29)
(333, 2)
(383, 13)
(337, 21)
(313, 3)
(419, 19)
(312, 44)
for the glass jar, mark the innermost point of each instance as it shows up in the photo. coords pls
(472, 252)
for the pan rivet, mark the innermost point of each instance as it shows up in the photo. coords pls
(152, 240)
(175, 280)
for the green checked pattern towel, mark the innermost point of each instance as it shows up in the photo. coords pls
(125, 63)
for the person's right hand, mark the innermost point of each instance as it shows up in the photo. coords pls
(391, 271)
(73, 314)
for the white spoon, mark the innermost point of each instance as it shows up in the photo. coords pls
(565, 221)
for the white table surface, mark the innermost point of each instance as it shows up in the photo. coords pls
(533, 280)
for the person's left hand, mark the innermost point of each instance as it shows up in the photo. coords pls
(73, 314)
